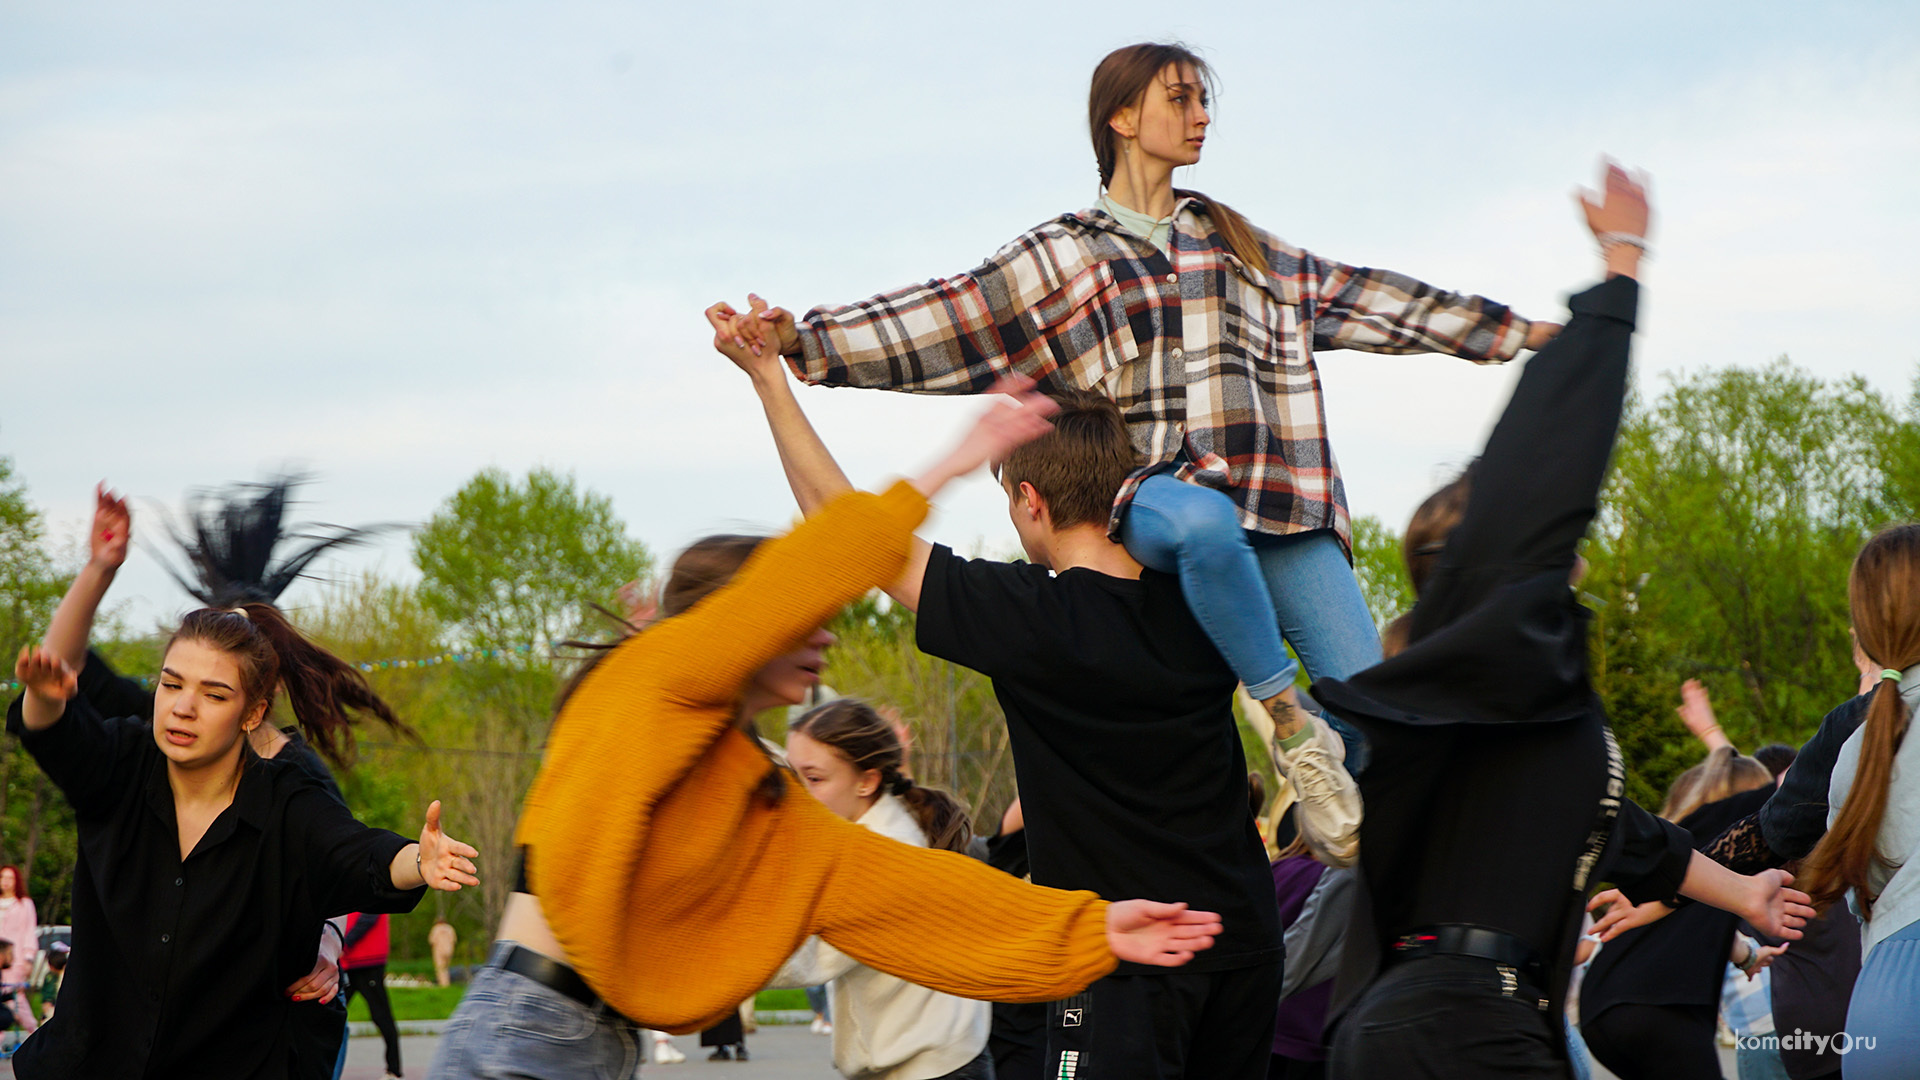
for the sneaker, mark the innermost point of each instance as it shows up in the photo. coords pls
(720, 1053)
(826, 1027)
(1328, 809)
(815, 1027)
(740, 1052)
(665, 1053)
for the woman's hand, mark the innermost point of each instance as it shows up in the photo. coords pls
(445, 863)
(50, 683)
(1622, 915)
(731, 330)
(1696, 711)
(1163, 935)
(112, 529)
(1540, 333)
(1620, 211)
(323, 981)
(1003, 426)
(1774, 909)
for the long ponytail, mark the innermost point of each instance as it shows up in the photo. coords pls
(854, 730)
(273, 656)
(1884, 591)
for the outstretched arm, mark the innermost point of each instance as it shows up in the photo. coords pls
(812, 472)
(1537, 485)
(107, 541)
(1763, 899)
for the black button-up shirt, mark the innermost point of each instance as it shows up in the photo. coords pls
(179, 966)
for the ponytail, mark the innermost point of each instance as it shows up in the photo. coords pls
(855, 731)
(1885, 598)
(273, 656)
(1233, 228)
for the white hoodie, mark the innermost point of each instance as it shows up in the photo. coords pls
(886, 1028)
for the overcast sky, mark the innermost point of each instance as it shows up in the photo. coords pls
(397, 243)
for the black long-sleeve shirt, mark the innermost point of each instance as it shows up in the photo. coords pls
(179, 966)
(1493, 794)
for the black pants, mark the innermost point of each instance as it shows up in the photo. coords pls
(1282, 1068)
(1659, 1041)
(1018, 1041)
(1448, 1016)
(371, 982)
(1215, 1025)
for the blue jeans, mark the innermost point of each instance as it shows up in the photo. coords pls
(1256, 594)
(510, 1026)
(1882, 1009)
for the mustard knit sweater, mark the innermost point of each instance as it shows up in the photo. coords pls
(677, 892)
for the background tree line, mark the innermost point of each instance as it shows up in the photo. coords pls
(1737, 501)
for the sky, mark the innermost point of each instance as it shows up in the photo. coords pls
(395, 244)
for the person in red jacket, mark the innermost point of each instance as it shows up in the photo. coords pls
(363, 970)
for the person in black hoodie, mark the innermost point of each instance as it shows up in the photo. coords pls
(1495, 791)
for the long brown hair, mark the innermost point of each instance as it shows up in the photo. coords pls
(1726, 772)
(699, 572)
(855, 731)
(1123, 79)
(1884, 591)
(321, 688)
(1426, 538)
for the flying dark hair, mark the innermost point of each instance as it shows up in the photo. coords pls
(232, 534)
(1433, 522)
(272, 655)
(852, 729)
(1121, 80)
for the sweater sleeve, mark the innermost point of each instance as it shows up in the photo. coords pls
(656, 704)
(956, 925)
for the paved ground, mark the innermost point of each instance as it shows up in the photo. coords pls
(780, 1052)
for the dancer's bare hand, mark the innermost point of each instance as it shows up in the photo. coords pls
(1006, 425)
(323, 981)
(1696, 711)
(112, 528)
(45, 676)
(1164, 935)
(445, 863)
(1776, 910)
(1622, 915)
(1763, 957)
(779, 322)
(1620, 206)
(729, 340)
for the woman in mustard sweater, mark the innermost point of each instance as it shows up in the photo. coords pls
(669, 867)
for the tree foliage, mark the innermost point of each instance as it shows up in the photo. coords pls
(518, 566)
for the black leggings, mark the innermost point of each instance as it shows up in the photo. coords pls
(1657, 1042)
(371, 983)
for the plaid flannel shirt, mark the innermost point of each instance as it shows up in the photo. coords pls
(1210, 359)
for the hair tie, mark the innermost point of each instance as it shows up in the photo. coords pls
(1890, 673)
(240, 611)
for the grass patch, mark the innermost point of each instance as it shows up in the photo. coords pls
(413, 1003)
(780, 999)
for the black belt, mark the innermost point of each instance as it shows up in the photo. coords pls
(1465, 939)
(551, 974)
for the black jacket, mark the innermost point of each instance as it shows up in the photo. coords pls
(1495, 786)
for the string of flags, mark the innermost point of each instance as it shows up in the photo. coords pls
(467, 657)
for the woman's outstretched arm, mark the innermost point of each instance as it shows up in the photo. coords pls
(955, 335)
(72, 624)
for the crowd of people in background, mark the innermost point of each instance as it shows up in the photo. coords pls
(1448, 879)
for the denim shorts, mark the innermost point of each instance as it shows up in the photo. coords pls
(510, 1026)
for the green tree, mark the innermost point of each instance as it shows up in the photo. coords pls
(517, 566)
(1738, 499)
(511, 569)
(1381, 570)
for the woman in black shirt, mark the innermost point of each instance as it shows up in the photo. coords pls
(204, 871)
